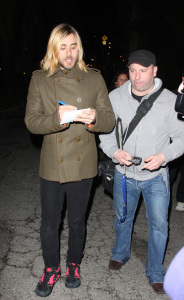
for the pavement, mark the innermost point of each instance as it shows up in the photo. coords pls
(21, 263)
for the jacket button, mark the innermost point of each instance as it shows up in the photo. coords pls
(60, 160)
(78, 139)
(78, 158)
(78, 79)
(60, 140)
(66, 73)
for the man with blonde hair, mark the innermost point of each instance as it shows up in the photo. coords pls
(68, 160)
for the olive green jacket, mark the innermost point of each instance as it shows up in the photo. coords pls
(69, 151)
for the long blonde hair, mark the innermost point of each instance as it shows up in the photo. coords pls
(50, 61)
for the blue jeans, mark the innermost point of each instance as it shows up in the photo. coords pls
(156, 194)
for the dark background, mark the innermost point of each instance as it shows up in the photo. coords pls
(25, 26)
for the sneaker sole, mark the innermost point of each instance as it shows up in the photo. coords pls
(45, 294)
(42, 294)
(72, 285)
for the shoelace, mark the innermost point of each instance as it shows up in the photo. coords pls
(49, 276)
(77, 273)
(72, 270)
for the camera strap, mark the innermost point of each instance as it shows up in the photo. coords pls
(142, 110)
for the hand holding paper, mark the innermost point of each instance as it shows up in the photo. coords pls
(69, 113)
(86, 116)
(70, 116)
(65, 109)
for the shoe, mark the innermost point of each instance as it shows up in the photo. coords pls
(46, 283)
(180, 206)
(72, 279)
(114, 264)
(158, 287)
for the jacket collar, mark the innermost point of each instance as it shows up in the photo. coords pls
(63, 72)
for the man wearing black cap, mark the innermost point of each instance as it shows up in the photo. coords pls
(150, 140)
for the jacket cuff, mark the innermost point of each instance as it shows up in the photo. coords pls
(111, 152)
(57, 126)
(169, 155)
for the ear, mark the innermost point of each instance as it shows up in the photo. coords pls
(155, 69)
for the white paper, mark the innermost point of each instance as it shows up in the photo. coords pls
(70, 116)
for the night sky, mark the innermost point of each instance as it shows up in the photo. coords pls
(154, 25)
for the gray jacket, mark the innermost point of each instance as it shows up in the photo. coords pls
(153, 134)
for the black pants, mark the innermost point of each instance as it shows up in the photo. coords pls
(52, 200)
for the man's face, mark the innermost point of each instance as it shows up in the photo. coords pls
(68, 54)
(142, 78)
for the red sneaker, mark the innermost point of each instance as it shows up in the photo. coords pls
(72, 279)
(49, 278)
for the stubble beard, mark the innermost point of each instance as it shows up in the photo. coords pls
(67, 66)
(144, 89)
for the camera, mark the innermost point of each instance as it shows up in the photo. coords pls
(136, 160)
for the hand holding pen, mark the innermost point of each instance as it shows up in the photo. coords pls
(86, 117)
(64, 107)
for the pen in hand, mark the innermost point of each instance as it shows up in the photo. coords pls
(62, 103)
(67, 109)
